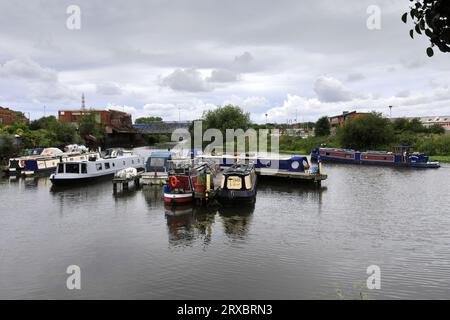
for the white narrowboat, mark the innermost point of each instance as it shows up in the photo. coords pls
(94, 168)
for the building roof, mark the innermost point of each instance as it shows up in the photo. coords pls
(427, 119)
(94, 110)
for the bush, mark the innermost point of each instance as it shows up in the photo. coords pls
(436, 145)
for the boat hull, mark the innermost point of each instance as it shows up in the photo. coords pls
(178, 198)
(372, 158)
(79, 181)
(237, 196)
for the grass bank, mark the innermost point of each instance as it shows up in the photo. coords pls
(443, 159)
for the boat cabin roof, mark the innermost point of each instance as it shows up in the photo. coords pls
(239, 169)
(161, 154)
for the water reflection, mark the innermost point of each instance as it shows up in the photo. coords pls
(236, 220)
(187, 223)
(153, 195)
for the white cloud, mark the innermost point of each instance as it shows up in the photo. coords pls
(252, 104)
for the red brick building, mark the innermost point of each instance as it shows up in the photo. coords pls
(8, 116)
(118, 125)
(110, 118)
(339, 120)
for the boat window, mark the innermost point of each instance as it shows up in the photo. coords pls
(248, 183)
(61, 168)
(234, 183)
(99, 166)
(83, 168)
(157, 162)
(72, 168)
(107, 165)
(124, 163)
(132, 161)
(114, 164)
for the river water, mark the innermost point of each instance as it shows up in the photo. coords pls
(297, 242)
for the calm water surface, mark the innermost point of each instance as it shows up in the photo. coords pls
(297, 242)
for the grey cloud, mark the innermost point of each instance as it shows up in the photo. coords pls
(27, 69)
(357, 76)
(329, 89)
(223, 75)
(403, 94)
(185, 80)
(109, 88)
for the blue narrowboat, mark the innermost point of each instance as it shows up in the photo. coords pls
(278, 162)
(401, 157)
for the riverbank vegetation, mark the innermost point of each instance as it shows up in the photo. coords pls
(47, 132)
(374, 132)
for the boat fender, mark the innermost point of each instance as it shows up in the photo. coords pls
(305, 165)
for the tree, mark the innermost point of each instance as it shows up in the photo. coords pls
(8, 148)
(89, 126)
(322, 127)
(148, 120)
(226, 117)
(368, 131)
(44, 123)
(431, 17)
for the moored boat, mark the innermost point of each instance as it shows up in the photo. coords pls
(190, 181)
(402, 156)
(48, 160)
(16, 165)
(95, 167)
(238, 184)
(268, 161)
(156, 168)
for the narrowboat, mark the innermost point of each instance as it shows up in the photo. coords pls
(156, 168)
(16, 165)
(47, 161)
(95, 167)
(190, 181)
(274, 165)
(238, 184)
(279, 162)
(402, 156)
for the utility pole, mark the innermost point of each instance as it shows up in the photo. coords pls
(266, 118)
(390, 112)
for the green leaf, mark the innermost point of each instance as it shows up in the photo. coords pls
(430, 52)
(418, 29)
(405, 17)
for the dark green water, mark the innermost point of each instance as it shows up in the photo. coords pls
(297, 242)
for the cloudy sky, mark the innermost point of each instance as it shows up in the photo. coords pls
(177, 58)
